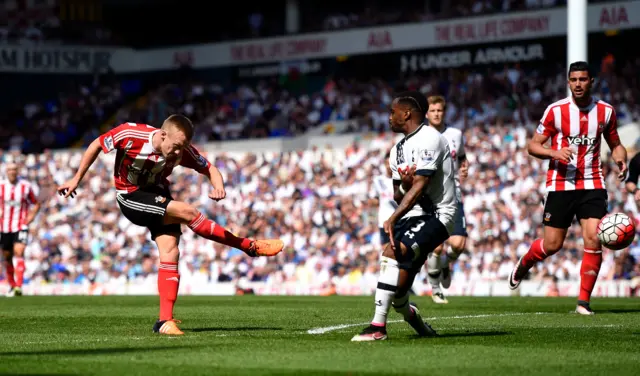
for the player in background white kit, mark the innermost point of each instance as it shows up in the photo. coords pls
(438, 263)
(424, 218)
(383, 189)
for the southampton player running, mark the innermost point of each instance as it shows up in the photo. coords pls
(18, 207)
(423, 219)
(144, 160)
(575, 181)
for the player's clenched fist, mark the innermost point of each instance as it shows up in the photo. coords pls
(68, 189)
(406, 175)
(217, 194)
(564, 155)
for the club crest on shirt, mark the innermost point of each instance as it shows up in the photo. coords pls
(160, 199)
(547, 217)
(601, 126)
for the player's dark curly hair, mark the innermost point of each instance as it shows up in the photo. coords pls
(414, 99)
(579, 66)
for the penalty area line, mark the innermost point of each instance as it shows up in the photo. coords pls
(345, 326)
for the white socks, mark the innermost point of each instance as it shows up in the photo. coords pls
(386, 290)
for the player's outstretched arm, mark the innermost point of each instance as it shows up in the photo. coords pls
(69, 187)
(215, 177)
(191, 158)
(537, 149)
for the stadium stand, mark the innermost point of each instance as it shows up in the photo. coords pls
(511, 95)
(317, 201)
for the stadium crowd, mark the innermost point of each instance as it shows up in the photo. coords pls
(319, 201)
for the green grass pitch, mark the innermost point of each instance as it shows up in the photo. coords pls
(252, 335)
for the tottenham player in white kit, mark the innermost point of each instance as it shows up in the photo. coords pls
(438, 267)
(423, 219)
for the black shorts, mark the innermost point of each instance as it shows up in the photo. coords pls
(562, 206)
(8, 239)
(460, 222)
(147, 207)
(421, 235)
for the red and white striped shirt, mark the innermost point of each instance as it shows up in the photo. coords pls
(15, 201)
(579, 129)
(138, 164)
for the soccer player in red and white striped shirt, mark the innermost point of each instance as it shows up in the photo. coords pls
(18, 207)
(575, 182)
(145, 158)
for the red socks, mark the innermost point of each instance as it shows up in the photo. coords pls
(8, 265)
(168, 283)
(536, 253)
(212, 231)
(591, 261)
(19, 270)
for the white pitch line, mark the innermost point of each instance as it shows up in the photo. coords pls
(344, 326)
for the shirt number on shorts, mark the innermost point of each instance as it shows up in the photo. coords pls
(411, 232)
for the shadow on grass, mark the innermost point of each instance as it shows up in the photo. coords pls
(237, 329)
(89, 352)
(466, 334)
(620, 310)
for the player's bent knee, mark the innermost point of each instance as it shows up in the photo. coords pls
(553, 239)
(458, 243)
(181, 212)
(439, 249)
(552, 245)
(18, 249)
(591, 241)
(168, 247)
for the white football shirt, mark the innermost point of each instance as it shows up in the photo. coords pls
(429, 150)
(383, 188)
(456, 146)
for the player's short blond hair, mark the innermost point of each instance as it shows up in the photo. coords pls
(436, 99)
(181, 123)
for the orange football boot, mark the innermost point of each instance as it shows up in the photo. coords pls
(168, 327)
(270, 247)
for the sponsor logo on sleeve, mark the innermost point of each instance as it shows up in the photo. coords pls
(108, 143)
(201, 161)
(427, 155)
